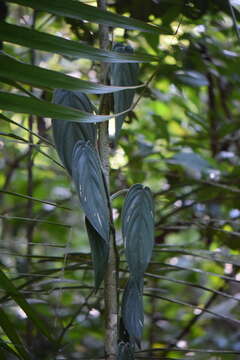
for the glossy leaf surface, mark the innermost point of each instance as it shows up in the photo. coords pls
(124, 75)
(31, 105)
(132, 309)
(44, 78)
(66, 133)
(88, 179)
(55, 44)
(138, 229)
(99, 250)
(78, 10)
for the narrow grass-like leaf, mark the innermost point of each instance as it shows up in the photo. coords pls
(78, 10)
(99, 250)
(29, 105)
(4, 346)
(217, 256)
(125, 75)
(13, 292)
(9, 329)
(66, 133)
(132, 309)
(138, 229)
(88, 179)
(54, 44)
(43, 78)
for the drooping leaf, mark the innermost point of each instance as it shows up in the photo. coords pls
(138, 229)
(66, 133)
(99, 250)
(124, 75)
(7, 285)
(44, 78)
(55, 44)
(78, 10)
(125, 351)
(132, 309)
(9, 329)
(88, 179)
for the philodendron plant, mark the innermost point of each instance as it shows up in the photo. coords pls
(76, 144)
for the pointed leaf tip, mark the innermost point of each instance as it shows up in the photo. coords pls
(88, 179)
(99, 250)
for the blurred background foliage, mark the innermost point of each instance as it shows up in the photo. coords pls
(182, 140)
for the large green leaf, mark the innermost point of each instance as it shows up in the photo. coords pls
(78, 10)
(34, 106)
(55, 44)
(88, 179)
(43, 78)
(125, 75)
(67, 133)
(132, 309)
(9, 329)
(138, 229)
(7, 285)
(99, 250)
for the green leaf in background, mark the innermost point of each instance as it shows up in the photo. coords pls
(138, 229)
(193, 163)
(78, 10)
(124, 75)
(132, 309)
(192, 78)
(7, 285)
(66, 133)
(43, 78)
(55, 44)
(88, 179)
(99, 251)
(13, 336)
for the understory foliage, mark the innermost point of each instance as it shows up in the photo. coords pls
(172, 91)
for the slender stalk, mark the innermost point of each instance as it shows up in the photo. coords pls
(110, 281)
(30, 203)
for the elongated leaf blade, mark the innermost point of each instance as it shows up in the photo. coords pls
(43, 78)
(54, 44)
(125, 75)
(132, 310)
(29, 105)
(99, 250)
(13, 336)
(78, 10)
(12, 291)
(88, 179)
(67, 133)
(4, 346)
(138, 229)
